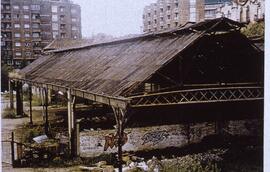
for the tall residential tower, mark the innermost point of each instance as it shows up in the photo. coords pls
(27, 26)
(168, 14)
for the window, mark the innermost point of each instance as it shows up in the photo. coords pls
(209, 12)
(16, 16)
(7, 7)
(192, 11)
(26, 26)
(73, 28)
(155, 12)
(35, 16)
(149, 14)
(17, 35)
(161, 18)
(18, 62)
(36, 35)
(62, 17)
(62, 26)
(73, 10)
(16, 7)
(142, 17)
(161, 9)
(27, 53)
(73, 19)
(54, 18)
(176, 4)
(17, 25)
(54, 26)
(176, 24)
(63, 35)
(168, 25)
(54, 9)
(169, 16)
(18, 53)
(35, 26)
(26, 16)
(62, 9)
(26, 7)
(26, 35)
(55, 35)
(17, 44)
(149, 23)
(36, 44)
(155, 21)
(168, 8)
(3, 43)
(27, 44)
(35, 7)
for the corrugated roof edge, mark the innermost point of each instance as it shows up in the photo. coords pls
(186, 27)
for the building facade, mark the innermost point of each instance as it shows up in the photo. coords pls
(211, 7)
(169, 14)
(27, 26)
(250, 11)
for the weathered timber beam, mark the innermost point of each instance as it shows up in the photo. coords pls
(105, 99)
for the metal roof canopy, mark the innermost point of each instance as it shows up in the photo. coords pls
(103, 71)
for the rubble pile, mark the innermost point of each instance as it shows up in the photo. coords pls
(206, 161)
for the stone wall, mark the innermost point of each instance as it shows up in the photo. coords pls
(158, 137)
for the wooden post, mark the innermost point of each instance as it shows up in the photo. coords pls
(30, 104)
(46, 112)
(12, 149)
(71, 122)
(19, 99)
(11, 96)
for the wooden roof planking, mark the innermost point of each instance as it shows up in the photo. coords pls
(109, 69)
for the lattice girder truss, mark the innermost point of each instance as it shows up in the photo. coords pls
(197, 96)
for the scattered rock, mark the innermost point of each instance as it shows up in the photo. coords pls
(108, 168)
(101, 163)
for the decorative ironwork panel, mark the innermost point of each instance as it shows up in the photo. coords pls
(196, 96)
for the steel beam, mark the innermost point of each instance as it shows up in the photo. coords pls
(198, 96)
(105, 99)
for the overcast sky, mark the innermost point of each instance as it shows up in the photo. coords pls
(113, 17)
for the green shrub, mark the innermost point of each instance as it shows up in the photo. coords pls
(253, 29)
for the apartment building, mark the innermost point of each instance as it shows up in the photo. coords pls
(242, 11)
(211, 7)
(169, 14)
(27, 26)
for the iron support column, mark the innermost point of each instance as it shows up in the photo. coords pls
(120, 115)
(71, 122)
(19, 99)
(30, 104)
(11, 96)
(46, 124)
